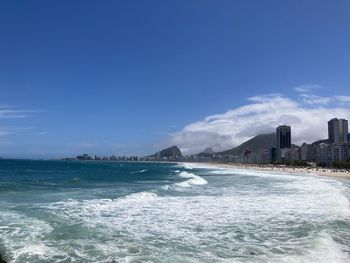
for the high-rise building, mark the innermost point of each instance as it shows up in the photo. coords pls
(283, 136)
(273, 155)
(324, 154)
(333, 131)
(306, 152)
(338, 131)
(284, 141)
(340, 153)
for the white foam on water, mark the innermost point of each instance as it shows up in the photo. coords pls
(40, 250)
(101, 207)
(246, 172)
(138, 172)
(218, 170)
(192, 180)
(319, 195)
(23, 236)
(185, 165)
(232, 220)
(203, 228)
(309, 191)
(323, 250)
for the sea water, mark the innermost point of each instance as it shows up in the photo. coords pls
(71, 211)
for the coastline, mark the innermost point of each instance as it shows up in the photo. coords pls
(279, 169)
(219, 203)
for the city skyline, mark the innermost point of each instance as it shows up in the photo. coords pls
(323, 133)
(324, 152)
(132, 78)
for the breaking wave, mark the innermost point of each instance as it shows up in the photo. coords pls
(239, 216)
(192, 179)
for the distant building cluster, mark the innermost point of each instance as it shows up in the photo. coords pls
(159, 158)
(322, 153)
(156, 157)
(87, 157)
(337, 147)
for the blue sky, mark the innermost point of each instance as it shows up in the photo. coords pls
(121, 77)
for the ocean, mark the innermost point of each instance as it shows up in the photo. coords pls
(72, 211)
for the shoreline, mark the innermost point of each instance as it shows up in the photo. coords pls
(326, 172)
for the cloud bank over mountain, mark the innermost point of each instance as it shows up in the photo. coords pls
(308, 115)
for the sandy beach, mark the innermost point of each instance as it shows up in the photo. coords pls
(278, 169)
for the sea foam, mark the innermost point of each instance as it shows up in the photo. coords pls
(141, 171)
(192, 179)
(240, 216)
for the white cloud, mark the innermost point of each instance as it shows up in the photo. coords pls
(41, 133)
(307, 88)
(262, 114)
(265, 97)
(343, 99)
(4, 132)
(11, 112)
(8, 112)
(306, 93)
(314, 99)
(13, 130)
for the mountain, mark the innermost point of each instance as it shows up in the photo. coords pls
(320, 141)
(208, 152)
(259, 142)
(171, 152)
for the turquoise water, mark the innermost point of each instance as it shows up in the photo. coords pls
(57, 211)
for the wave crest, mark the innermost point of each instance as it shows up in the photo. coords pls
(192, 180)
